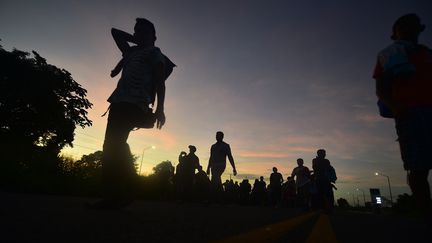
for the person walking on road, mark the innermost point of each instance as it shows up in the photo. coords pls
(217, 162)
(275, 187)
(144, 71)
(302, 178)
(403, 76)
(321, 167)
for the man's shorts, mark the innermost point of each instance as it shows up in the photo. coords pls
(414, 130)
(217, 169)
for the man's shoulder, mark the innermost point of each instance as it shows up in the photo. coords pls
(395, 48)
(151, 52)
(194, 157)
(395, 53)
(220, 144)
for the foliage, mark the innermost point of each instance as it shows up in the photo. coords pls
(87, 167)
(164, 168)
(404, 203)
(160, 182)
(40, 107)
(343, 203)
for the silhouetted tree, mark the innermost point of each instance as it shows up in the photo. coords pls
(89, 165)
(343, 203)
(164, 168)
(40, 107)
(404, 203)
(164, 173)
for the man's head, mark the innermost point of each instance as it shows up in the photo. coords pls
(219, 136)
(261, 178)
(321, 153)
(144, 32)
(299, 162)
(407, 27)
(274, 169)
(192, 149)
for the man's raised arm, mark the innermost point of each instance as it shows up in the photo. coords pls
(122, 38)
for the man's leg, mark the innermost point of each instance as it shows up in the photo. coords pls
(117, 163)
(302, 196)
(418, 182)
(217, 182)
(414, 135)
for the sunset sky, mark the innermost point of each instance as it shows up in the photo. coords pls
(281, 79)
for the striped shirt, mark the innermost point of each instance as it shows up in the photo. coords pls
(137, 84)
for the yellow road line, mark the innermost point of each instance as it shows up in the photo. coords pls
(322, 232)
(270, 233)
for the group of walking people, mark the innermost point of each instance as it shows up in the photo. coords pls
(189, 184)
(309, 189)
(403, 85)
(304, 187)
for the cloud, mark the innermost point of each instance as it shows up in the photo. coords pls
(369, 119)
(254, 154)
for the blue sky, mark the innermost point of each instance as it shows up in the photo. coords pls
(280, 78)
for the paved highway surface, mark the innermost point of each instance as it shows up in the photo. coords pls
(45, 218)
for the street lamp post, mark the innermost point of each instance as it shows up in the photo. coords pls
(388, 180)
(353, 199)
(142, 157)
(364, 197)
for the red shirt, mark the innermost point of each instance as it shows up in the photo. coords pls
(412, 90)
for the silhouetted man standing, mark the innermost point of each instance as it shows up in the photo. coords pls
(275, 185)
(217, 162)
(302, 178)
(321, 167)
(403, 77)
(144, 71)
(186, 172)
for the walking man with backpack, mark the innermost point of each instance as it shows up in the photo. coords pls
(302, 178)
(403, 75)
(323, 176)
(144, 71)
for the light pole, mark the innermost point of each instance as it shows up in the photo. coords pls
(364, 197)
(142, 157)
(353, 199)
(388, 180)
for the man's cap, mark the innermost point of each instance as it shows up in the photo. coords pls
(407, 22)
(192, 147)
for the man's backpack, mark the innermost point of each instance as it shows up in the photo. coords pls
(331, 174)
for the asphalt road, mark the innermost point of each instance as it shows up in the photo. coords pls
(44, 218)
